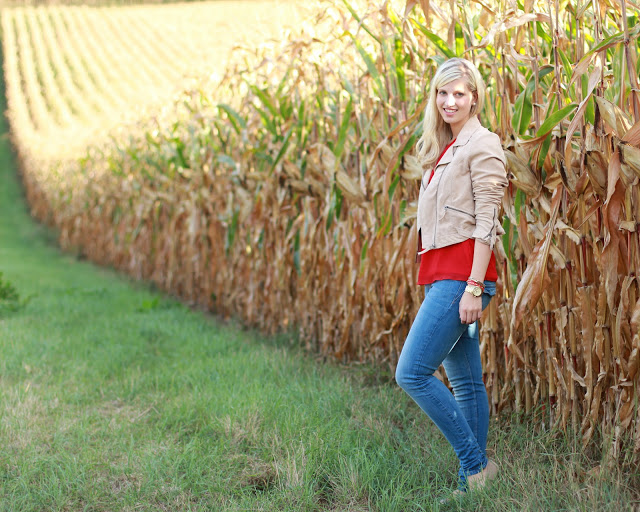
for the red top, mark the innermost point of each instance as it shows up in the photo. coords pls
(453, 261)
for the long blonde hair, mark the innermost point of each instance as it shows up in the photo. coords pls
(435, 132)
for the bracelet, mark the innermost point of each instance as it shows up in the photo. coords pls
(473, 282)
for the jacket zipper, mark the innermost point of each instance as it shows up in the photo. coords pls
(435, 229)
(447, 207)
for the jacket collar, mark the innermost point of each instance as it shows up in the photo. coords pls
(463, 137)
(467, 131)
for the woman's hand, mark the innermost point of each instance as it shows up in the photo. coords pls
(470, 308)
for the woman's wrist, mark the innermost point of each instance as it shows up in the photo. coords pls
(475, 282)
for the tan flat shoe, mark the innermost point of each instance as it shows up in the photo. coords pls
(474, 482)
(479, 480)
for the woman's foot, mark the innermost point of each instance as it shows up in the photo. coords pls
(479, 480)
(474, 482)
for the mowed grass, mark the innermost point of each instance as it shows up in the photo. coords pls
(118, 398)
(115, 397)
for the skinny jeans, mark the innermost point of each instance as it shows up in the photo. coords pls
(437, 336)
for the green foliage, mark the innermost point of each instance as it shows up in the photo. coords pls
(435, 39)
(10, 301)
(555, 118)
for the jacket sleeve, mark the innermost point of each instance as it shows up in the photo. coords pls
(488, 181)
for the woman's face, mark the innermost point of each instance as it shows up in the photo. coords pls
(454, 101)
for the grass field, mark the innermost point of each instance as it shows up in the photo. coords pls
(117, 398)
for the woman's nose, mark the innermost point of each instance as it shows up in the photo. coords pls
(450, 100)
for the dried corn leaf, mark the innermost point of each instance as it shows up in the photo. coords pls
(412, 169)
(613, 116)
(523, 177)
(611, 252)
(350, 188)
(630, 157)
(533, 280)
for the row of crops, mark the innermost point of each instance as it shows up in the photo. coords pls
(73, 72)
(284, 192)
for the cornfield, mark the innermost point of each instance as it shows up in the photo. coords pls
(284, 192)
(75, 72)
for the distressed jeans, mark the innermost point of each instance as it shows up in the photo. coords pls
(437, 336)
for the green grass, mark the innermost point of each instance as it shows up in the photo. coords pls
(117, 398)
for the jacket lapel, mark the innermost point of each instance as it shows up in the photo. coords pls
(467, 131)
(447, 157)
(463, 137)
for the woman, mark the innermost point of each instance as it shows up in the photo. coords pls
(458, 226)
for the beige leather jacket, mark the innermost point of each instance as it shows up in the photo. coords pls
(463, 198)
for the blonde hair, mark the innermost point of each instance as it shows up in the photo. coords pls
(435, 132)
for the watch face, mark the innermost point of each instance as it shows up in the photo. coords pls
(476, 291)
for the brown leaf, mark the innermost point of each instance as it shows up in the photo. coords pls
(523, 235)
(613, 116)
(621, 316)
(409, 7)
(526, 18)
(613, 174)
(596, 169)
(594, 78)
(576, 377)
(412, 3)
(524, 178)
(350, 188)
(630, 157)
(612, 243)
(533, 280)
(633, 135)
(586, 302)
(412, 169)
(626, 414)
(581, 68)
(500, 26)
(634, 360)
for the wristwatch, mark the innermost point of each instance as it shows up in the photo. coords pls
(476, 291)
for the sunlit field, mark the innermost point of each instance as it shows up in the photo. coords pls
(75, 72)
(265, 171)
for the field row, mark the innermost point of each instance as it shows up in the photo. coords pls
(74, 70)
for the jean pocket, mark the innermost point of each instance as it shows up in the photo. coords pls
(489, 292)
(490, 288)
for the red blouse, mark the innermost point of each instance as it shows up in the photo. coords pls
(453, 261)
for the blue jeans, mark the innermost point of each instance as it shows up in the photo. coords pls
(437, 336)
